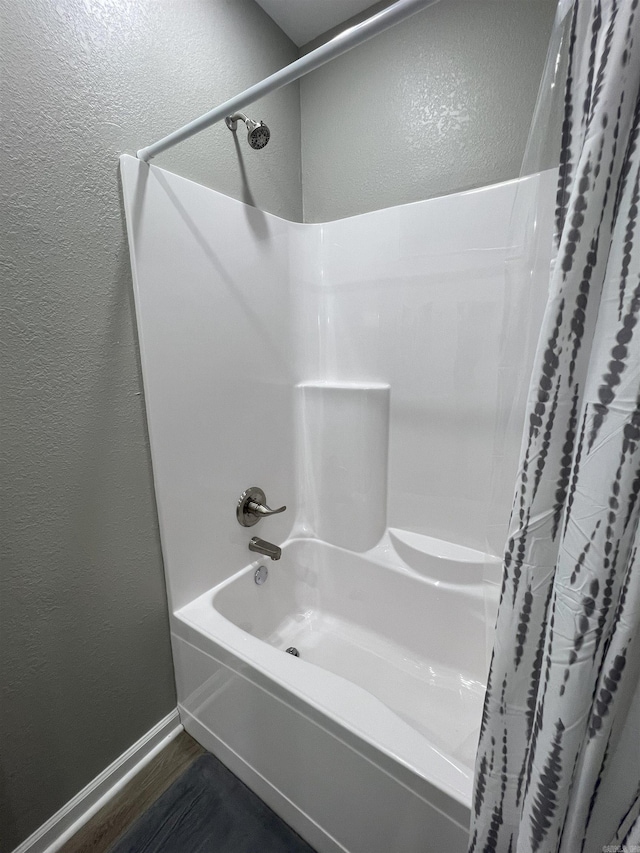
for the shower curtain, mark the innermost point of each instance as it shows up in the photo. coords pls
(558, 763)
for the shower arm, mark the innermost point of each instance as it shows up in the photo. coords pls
(341, 43)
(232, 121)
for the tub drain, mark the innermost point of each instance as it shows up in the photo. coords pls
(293, 651)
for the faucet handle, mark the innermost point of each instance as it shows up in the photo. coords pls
(259, 509)
(252, 506)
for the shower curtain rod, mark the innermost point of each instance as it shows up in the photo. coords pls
(341, 43)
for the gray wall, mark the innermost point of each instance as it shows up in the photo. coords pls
(438, 104)
(85, 662)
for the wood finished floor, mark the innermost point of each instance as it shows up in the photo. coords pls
(116, 817)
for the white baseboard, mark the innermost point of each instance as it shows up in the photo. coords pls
(68, 820)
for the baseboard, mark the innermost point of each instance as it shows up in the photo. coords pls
(68, 820)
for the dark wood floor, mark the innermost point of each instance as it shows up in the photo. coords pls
(116, 817)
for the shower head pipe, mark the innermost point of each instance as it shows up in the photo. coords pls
(344, 41)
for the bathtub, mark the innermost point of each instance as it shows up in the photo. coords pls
(366, 741)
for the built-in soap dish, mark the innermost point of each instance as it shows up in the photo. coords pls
(443, 561)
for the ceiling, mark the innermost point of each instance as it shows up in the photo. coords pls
(304, 20)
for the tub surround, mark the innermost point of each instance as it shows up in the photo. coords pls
(354, 371)
(237, 307)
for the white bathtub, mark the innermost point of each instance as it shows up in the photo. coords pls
(366, 741)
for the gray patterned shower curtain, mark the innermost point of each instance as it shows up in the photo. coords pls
(558, 763)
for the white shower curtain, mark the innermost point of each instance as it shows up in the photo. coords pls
(558, 764)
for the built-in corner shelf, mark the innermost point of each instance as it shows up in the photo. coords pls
(344, 447)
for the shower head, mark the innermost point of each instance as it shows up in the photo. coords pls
(258, 134)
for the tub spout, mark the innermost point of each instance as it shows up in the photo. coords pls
(266, 548)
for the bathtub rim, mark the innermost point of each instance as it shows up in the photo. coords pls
(281, 793)
(437, 777)
(428, 786)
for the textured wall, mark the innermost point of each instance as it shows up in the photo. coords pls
(438, 104)
(85, 666)
(84, 647)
